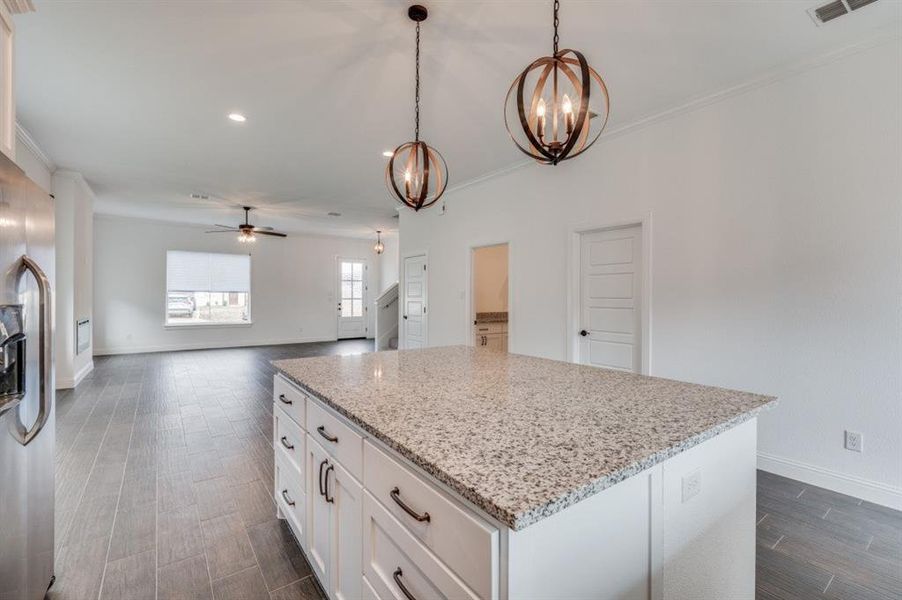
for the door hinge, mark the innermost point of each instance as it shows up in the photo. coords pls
(424, 309)
(424, 267)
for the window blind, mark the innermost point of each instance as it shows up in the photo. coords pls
(207, 272)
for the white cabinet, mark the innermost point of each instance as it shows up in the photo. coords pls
(490, 335)
(7, 98)
(334, 524)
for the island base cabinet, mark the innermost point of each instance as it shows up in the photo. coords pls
(397, 565)
(334, 541)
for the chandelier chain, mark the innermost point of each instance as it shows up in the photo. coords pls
(557, 7)
(416, 134)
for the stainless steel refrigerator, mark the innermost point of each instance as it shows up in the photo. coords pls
(27, 428)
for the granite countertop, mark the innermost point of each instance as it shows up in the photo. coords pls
(520, 437)
(491, 317)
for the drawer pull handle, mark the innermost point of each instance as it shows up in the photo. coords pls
(286, 444)
(284, 400)
(329, 499)
(322, 431)
(287, 499)
(396, 496)
(397, 577)
(321, 465)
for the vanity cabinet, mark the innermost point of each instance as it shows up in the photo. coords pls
(490, 335)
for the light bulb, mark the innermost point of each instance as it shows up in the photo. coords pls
(407, 176)
(540, 108)
(567, 106)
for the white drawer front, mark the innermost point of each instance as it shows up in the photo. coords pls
(336, 438)
(289, 441)
(368, 592)
(290, 498)
(392, 555)
(486, 328)
(467, 544)
(290, 399)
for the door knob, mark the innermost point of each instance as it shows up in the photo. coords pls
(584, 333)
(405, 316)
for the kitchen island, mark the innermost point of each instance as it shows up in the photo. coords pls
(460, 472)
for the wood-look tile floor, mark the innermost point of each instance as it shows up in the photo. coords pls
(164, 470)
(165, 466)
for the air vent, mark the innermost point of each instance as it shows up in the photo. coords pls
(856, 4)
(833, 10)
(18, 7)
(334, 214)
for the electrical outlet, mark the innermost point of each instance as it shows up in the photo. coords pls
(854, 441)
(692, 484)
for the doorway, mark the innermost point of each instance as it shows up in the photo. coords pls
(352, 288)
(611, 298)
(413, 306)
(490, 297)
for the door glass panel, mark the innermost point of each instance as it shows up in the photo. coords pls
(351, 289)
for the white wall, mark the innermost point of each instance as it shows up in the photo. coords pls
(776, 249)
(293, 286)
(388, 262)
(74, 212)
(490, 278)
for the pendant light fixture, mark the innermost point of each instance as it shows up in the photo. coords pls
(558, 106)
(416, 173)
(379, 247)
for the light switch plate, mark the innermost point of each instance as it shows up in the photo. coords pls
(692, 484)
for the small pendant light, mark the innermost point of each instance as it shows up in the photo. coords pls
(558, 106)
(379, 247)
(416, 174)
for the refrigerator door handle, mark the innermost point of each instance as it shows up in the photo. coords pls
(23, 434)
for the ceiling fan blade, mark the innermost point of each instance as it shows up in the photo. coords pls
(273, 233)
(222, 231)
(258, 228)
(224, 226)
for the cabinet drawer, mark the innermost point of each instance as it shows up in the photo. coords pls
(290, 498)
(368, 592)
(467, 544)
(290, 399)
(486, 328)
(392, 555)
(339, 440)
(289, 441)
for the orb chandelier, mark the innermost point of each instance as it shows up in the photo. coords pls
(558, 106)
(379, 247)
(416, 173)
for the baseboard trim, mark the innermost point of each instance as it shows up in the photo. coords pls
(84, 372)
(115, 350)
(67, 383)
(872, 491)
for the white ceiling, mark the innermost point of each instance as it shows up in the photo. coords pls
(135, 94)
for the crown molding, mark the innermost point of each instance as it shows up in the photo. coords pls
(781, 73)
(26, 139)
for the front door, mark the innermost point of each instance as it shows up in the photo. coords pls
(414, 304)
(610, 282)
(352, 307)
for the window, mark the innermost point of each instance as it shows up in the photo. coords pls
(203, 288)
(351, 289)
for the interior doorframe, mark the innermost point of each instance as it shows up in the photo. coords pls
(402, 295)
(573, 286)
(470, 296)
(366, 284)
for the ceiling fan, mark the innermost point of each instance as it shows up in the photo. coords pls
(246, 232)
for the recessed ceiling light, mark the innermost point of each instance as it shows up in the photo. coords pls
(237, 117)
(388, 154)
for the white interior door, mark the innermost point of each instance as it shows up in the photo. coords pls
(352, 290)
(414, 304)
(610, 281)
